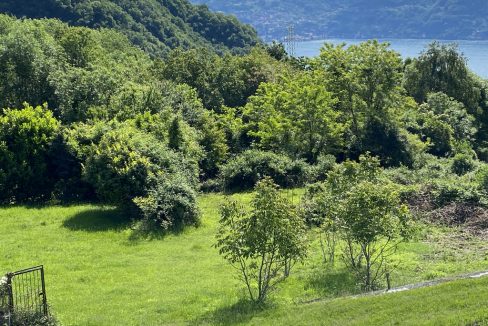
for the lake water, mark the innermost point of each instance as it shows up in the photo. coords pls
(475, 51)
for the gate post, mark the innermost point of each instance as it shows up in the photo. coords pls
(44, 296)
(10, 300)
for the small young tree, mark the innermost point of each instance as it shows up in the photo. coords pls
(321, 204)
(263, 243)
(373, 222)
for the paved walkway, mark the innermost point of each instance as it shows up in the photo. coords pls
(416, 285)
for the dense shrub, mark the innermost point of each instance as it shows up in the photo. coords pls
(32, 318)
(482, 178)
(456, 190)
(427, 169)
(245, 170)
(441, 107)
(127, 163)
(325, 163)
(25, 139)
(320, 197)
(462, 164)
(171, 203)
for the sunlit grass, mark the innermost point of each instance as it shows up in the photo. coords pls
(99, 273)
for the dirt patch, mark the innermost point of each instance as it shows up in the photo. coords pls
(422, 202)
(471, 218)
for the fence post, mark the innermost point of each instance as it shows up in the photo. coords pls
(44, 296)
(10, 300)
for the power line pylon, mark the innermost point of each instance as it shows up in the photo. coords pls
(290, 41)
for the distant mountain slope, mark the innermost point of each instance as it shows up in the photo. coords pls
(154, 25)
(441, 19)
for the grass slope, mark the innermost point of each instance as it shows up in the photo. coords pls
(456, 303)
(100, 273)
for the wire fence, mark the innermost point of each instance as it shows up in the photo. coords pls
(23, 291)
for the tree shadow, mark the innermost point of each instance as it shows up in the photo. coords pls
(329, 282)
(238, 313)
(99, 220)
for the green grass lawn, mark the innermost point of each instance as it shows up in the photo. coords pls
(99, 273)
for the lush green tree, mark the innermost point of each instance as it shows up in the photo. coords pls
(196, 68)
(220, 81)
(373, 222)
(444, 124)
(377, 72)
(439, 134)
(79, 45)
(277, 51)
(442, 68)
(26, 137)
(365, 78)
(240, 76)
(355, 208)
(295, 116)
(75, 70)
(319, 204)
(366, 81)
(262, 243)
(28, 56)
(453, 113)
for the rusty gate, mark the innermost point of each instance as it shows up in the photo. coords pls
(24, 291)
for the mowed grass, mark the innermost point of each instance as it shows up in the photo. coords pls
(456, 303)
(99, 272)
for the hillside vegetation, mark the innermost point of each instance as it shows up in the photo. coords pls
(155, 26)
(326, 176)
(431, 19)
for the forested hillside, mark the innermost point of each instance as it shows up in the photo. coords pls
(156, 26)
(432, 19)
(391, 156)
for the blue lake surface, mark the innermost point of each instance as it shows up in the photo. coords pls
(475, 51)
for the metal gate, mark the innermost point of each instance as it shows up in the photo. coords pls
(26, 292)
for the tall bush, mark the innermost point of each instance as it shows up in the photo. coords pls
(132, 169)
(26, 136)
(246, 169)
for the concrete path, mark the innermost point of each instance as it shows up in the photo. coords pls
(415, 286)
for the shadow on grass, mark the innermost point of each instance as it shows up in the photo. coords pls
(117, 219)
(240, 312)
(98, 220)
(333, 283)
(149, 231)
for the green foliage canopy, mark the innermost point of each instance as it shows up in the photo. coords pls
(262, 243)
(26, 136)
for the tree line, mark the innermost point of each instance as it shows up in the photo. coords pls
(89, 116)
